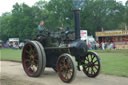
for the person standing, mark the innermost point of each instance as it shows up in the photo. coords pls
(114, 45)
(106, 45)
(111, 45)
(89, 45)
(97, 45)
(103, 45)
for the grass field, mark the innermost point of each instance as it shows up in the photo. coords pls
(114, 62)
(10, 54)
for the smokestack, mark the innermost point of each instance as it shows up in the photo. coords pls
(77, 24)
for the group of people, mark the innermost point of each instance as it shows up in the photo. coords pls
(13, 45)
(108, 45)
(102, 45)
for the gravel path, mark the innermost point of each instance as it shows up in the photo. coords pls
(12, 73)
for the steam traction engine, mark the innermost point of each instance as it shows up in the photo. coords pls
(60, 51)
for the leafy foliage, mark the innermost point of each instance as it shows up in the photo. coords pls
(23, 20)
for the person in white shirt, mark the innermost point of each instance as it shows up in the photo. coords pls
(103, 45)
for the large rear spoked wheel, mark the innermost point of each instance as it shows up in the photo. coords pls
(92, 65)
(32, 59)
(66, 68)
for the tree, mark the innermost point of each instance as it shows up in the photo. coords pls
(98, 14)
(5, 26)
(126, 14)
(21, 23)
(23, 20)
(59, 13)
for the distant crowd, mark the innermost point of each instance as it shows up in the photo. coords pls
(13, 45)
(102, 45)
(91, 45)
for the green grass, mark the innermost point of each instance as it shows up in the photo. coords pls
(114, 62)
(10, 54)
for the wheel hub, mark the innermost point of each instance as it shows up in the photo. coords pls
(90, 64)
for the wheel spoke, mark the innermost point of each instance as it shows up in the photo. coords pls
(69, 62)
(87, 58)
(95, 61)
(86, 67)
(62, 70)
(92, 58)
(65, 68)
(35, 55)
(28, 52)
(96, 64)
(66, 76)
(85, 64)
(70, 71)
(64, 62)
(91, 64)
(30, 46)
(36, 61)
(31, 61)
(92, 70)
(95, 67)
(27, 60)
(29, 68)
(88, 70)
